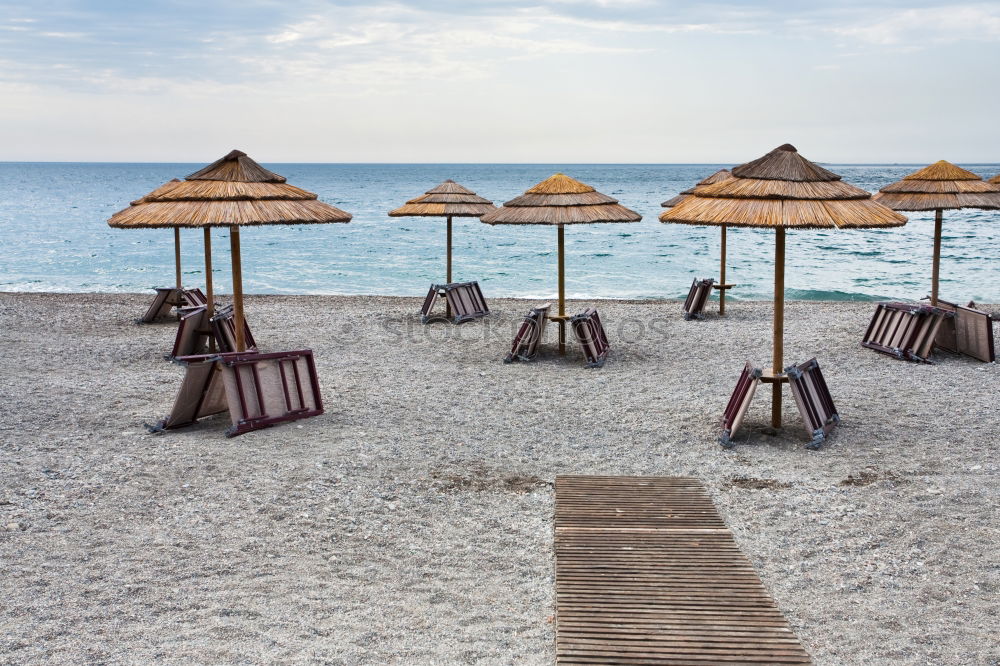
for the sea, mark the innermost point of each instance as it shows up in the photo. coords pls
(56, 238)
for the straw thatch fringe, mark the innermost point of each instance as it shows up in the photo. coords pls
(995, 180)
(754, 188)
(560, 199)
(915, 201)
(236, 166)
(562, 215)
(784, 163)
(223, 190)
(789, 213)
(216, 197)
(582, 199)
(226, 213)
(441, 210)
(940, 186)
(717, 177)
(449, 199)
(807, 196)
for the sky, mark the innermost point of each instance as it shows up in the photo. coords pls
(606, 81)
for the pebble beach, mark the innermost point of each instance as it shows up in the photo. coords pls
(412, 522)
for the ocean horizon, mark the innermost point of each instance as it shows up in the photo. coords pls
(58, 211)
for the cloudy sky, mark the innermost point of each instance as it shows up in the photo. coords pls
(499, 80)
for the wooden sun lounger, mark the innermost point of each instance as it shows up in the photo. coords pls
(193, 297)
(809, 390)
(201, 393)
(193, 332)
(589, 332)
(165, 300)
(224, 329)
(968, 332)
(739, 403)
(525, 345)
(813, 399)
(694, 304)
(258, 390)
(648, 573)
(904, 330)
(464, 298)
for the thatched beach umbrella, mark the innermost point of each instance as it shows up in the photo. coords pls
(560, 200)
(449, 199)
(232, 192)
(782, 190)
(717, 177)
(939, 187)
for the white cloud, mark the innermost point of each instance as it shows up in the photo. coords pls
(977, 22)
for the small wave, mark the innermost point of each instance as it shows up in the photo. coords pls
(830, 295)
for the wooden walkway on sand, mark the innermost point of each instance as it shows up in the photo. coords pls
(647, 573)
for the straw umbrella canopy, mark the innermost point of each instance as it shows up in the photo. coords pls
(560, 200)
(233, 191)
(717, 177)
(939, 187)
(449, 199)
(782, 190)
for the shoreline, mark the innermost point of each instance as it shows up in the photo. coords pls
(411, 523)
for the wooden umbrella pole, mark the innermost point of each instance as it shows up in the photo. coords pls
(562, 291)
(779, 324)
(447, 305)
(449, 249)
(234, 248)
(722, 273)
(177, 255)
(209, 292)
(935, 271)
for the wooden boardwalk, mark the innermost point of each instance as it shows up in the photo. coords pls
(647, 573)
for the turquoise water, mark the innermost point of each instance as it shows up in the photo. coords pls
(56, 238)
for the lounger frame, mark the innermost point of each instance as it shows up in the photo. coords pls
(252, 406)
(589, 332)
(529, 336)
(193, 332)
(904, 330)
(968, 332)
(697, 297)
(165, 300)
(739, 403)
(464, 298)
(224, 330)
(813, 399)
(258, 390)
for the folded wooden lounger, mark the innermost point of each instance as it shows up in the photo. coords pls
(968, 332)
(194, 297)
(813, 399)
(589, 332)
(694, 304)
(464, 298)
(193, 332)
(224, 329)
(258, 390)
(165, 300)
(525, 346)
(811, 396)
(905, 330)
(739, 403)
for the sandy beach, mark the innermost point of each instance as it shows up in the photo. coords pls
(411, 523)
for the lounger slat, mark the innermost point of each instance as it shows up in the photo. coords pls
(697, 297)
